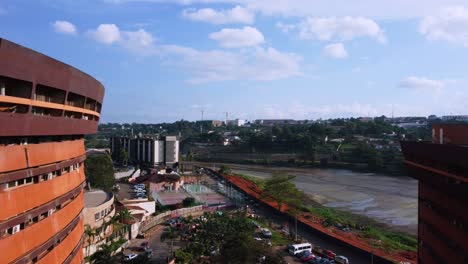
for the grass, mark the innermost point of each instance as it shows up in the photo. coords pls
(258, 181)
(378, 234)
(391, 240)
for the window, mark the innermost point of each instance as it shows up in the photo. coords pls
(97, 216)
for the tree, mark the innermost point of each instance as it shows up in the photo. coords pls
(124, 216)
(189, 202)
(100, 172)
(123, 157)
(224, 169)
(90, 234)
(280, 189)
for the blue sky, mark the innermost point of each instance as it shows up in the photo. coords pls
(162, 60)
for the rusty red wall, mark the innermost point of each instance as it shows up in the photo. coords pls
(451, 133)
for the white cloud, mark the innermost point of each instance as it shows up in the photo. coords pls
(422, 83)
(356, 69)
(236, 38)
(64, 27)
(286, 27)
(261, 64)
(450, 24)
(106, 33)
(339, 28)
(336, 50)
(381, 9)
(238, 14)
(139, 41)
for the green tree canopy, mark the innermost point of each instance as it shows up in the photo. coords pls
(100, 172)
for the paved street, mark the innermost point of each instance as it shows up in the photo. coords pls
(161, 250)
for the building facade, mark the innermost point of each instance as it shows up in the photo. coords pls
(99, 209)
(441, 166)
(148, 151)
(46, 108)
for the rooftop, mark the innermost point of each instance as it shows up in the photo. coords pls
(95, 198)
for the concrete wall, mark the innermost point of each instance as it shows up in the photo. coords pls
(90, 212)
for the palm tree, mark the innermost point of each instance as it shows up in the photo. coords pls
(90, 234)
(104, 255)
(124, 216)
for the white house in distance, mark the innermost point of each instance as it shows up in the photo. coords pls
(236, 122)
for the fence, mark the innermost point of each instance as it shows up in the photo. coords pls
(160, 218)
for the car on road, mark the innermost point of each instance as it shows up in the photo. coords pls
(341, 260)
(266, 233)
(129, 257)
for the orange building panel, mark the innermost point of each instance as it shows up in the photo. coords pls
(62, 251)
(45, 153)
(19, 244)
(19, 200)
(12, 158)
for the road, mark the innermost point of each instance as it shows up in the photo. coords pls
(161, 250)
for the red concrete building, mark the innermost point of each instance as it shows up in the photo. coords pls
(441, 166)
(46, 108)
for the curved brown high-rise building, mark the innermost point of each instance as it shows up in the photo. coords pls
(46, 108)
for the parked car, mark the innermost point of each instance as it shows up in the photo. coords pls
(341, 260)
(307, 258)
(302, 254)
(324, 253)
(266, 233)
(129, 257)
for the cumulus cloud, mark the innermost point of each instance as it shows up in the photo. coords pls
(382, 9)
(286, 28)
(106, 33)
(261, 64)
(65, 27)
(336, 50)
(450, 24)
(236, 38)
(238, 14)
(139, 41)
(339, 28)
(422, 83)
(251, 63)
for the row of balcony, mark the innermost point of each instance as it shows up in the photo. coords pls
(24, 89)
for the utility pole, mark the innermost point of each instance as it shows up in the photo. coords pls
(296, 226)
(227, 116)
(201, 124)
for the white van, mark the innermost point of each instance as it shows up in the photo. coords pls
(298, 248)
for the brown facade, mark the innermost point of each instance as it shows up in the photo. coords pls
(46, 108)
(441, 167)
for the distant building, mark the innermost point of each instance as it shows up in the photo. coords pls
(236, 122)
(149, 151)
(216, 123)
(442, 170)
(276, 122)
(463, 118)
(412, 124)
